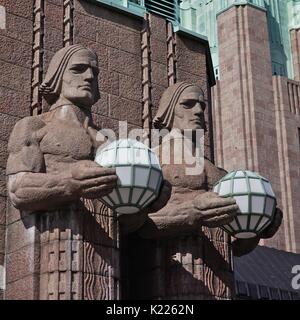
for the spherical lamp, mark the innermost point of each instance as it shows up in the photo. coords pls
(139, 175)
(255, 198)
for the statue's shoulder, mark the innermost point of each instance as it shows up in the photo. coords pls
(213, 173)
(24, 131)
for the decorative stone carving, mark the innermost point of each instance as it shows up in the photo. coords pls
(188, 257)
(50, 155)
(192, 203)
(53, 178)
(54, 182)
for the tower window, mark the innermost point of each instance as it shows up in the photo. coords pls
(166, 8)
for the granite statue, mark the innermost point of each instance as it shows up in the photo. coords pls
(192, 203)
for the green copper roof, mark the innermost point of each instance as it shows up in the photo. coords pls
(282, 15)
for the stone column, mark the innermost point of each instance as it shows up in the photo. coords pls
(191, 267)
(295, 42)
(69, 254)
(244, 106)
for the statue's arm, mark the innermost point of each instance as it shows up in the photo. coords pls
(32, 192)
(206, 209)
(31, 188)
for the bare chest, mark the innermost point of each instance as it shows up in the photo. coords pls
(63, 142)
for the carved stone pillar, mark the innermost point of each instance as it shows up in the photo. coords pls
(68, 254)
(295, 39)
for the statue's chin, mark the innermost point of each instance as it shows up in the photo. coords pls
(85, 102)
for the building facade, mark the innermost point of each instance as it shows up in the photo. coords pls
(255, 52)
(252, 119)
(140, 54)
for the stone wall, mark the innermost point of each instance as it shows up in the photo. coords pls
(15, 86)
(139, 58)
(251, 129)
(287, 104)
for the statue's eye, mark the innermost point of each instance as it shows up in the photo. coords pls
(79, 68)
(187, 104)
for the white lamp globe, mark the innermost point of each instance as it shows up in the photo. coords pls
(139, 175)
(255, 198)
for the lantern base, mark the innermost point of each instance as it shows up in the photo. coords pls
(245, 235)
(127, 210)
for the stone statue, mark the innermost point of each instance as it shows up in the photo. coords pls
(189, 258)
(54, 183)
(192, 203)
(51, 155)
(53, 178)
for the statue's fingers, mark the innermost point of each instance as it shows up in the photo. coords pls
(218, 221)
(112, 180)
(97, 192)
(214, 202)
(231, 210)
(94, 172)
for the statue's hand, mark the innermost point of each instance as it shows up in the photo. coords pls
(162, 200)
(207, 209)
(213, 210)
(89, 180)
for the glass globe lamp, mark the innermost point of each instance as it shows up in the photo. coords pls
(139, 175)
(255, 198)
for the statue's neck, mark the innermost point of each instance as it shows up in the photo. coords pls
(83, 115)
(189, 140)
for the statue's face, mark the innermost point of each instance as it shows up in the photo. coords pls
(189, 111)
(79, 82)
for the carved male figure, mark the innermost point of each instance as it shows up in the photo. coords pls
(50, 155)
(192, 203)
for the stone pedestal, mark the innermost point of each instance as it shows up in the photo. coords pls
(197, 267)
(72, 253)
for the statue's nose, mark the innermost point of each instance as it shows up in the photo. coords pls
(89, 75)
(197, 109)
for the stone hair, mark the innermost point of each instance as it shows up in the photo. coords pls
(165, 114)
(51, 86)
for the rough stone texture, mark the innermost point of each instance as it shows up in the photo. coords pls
(15, 77)
(15, 82)
(295, 38)
(22, 263)
(15, 103)
(2, 211)
(23, 289)
(19, 8)
(18, 28)
(2, 238)
(55, 253)
(247, 125)
(8, 123)
(286, 95)
(191, 67)
(116, 38)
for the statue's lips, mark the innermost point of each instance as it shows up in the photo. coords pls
(86, 87)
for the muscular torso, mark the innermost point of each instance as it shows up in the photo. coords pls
(187, 186)
(63, 140)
